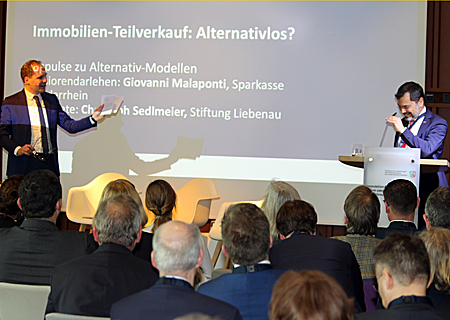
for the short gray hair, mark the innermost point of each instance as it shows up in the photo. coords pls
(118, 220)
(437, 208)
(178, 253)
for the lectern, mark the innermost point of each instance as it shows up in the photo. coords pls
(382, 165)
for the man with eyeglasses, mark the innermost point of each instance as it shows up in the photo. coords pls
(402, 269)
(29, 121)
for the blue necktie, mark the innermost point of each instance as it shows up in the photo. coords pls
(43, 127)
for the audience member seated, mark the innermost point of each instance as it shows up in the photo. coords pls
(437, 209)
(246, 240)
(30, 252)
(301, 249)
(277, 193)
(309, 295)
(91, 284)
(362, 213)
(437, 242)
(123, 186)
(401, 202)
(160, 199)
(177, 255)
(10, 213)
(402, 267)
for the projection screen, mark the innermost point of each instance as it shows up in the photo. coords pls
(239, 92)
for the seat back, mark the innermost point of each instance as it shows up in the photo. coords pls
(63, 316)
(216, 231)
(23, 302)
(82, 202)
(194, 201)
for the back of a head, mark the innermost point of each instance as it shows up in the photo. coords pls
(277, 193)
(362, 209)
(122, 186)
(437, 208)
(437, 242)
(414, 89)
(296, 215)
(117, 220)
(405, 256)
(9, 193)
(39, 192)
(401, 197)
(160, 198)
(245, 234)
(176, 246)
(309, 295)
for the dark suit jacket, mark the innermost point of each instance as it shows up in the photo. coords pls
(439, 298)
(90, 285)
(405, 311)
(396, 226)
(15, 129)
(331, 256)
(249, 292)
(430, 139)
(168, 301)
(30, 252)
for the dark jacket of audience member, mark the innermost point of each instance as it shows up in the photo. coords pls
(91, 284)
(246, 240)
(301, 249)
(30, 252)
(10, 213)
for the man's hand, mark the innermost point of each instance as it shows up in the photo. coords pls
(25, 150)
(96, 115)
(397, 122)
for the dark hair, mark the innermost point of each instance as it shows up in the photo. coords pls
(28, 69)
(160, 198)
(117, 220)
(309, 295)
(405, 256)
(245, 234)
(9, 193)
(296, 215)
(401, 196)
(39, 192)
(362, 209)
(414, 89)
(437, 207)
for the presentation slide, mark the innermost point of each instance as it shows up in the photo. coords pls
(224, 90)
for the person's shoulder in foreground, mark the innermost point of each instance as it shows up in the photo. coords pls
(177, 255)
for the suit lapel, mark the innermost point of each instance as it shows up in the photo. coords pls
(425, 123)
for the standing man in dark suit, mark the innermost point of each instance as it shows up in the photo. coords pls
(90, 285)
(401, 202)
(402, 269)
(420, 128)
(177, 255)
(30, 252)
(300, 248)
(246, 240)
(29, 121)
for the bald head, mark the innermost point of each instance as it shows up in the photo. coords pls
(176, 247)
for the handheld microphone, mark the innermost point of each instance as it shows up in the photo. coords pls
(385, 129)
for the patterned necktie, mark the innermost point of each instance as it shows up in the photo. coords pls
(43, 127)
